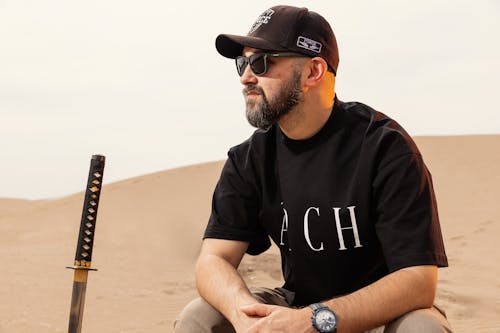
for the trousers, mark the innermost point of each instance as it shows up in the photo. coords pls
(200, 317)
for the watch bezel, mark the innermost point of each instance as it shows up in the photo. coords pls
(320, 326)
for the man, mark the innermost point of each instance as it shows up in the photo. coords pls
(340, 188)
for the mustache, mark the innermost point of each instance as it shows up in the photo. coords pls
(252, 87)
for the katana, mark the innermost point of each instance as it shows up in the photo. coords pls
(83, 257)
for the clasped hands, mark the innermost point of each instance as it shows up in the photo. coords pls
(263, 318)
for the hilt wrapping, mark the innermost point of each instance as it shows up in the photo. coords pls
(83, 256)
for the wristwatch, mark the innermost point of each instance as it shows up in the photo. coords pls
(323, 318)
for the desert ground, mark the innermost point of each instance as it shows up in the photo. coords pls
(149, 231)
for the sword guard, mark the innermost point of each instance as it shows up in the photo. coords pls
(79, 268)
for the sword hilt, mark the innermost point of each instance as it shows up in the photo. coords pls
(83, 256)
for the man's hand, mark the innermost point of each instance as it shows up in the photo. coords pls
(244, 323)
(272, 318)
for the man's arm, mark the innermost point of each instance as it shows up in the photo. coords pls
(400, 292)
(220, 284)
(384, 300)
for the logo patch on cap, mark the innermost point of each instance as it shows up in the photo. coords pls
(262, 19)
(309, 44)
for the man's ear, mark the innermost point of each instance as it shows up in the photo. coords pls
(317, 69)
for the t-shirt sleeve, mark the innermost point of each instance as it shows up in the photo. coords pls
(236, 207)
(407, 218)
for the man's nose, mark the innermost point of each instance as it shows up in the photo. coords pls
(248, 77)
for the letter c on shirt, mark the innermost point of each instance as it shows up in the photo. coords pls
(306, 229)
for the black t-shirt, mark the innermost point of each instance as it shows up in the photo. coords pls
(346, 206)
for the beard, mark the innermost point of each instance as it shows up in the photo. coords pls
(265, 112)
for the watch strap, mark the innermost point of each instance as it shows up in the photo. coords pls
(317, 306)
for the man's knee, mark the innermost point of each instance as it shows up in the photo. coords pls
(423, 320)
(199, 316)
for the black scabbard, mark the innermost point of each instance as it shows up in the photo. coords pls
(85, 245)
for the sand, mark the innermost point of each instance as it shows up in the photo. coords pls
(148, 236)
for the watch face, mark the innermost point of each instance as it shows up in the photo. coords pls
(325, 320)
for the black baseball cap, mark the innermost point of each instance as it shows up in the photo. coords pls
(285, 28)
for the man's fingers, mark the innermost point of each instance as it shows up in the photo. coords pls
(256, 310)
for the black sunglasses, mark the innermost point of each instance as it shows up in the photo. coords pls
(258, 61)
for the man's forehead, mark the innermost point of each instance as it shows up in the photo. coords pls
(250, 50)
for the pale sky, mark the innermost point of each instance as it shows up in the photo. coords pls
(142, 83)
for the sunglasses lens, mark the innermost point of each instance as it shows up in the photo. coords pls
(258, 63)
(241, 64)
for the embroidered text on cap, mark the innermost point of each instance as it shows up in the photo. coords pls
(309, 44)
(262, 19)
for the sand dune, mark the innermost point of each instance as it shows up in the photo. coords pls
(148, 236)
